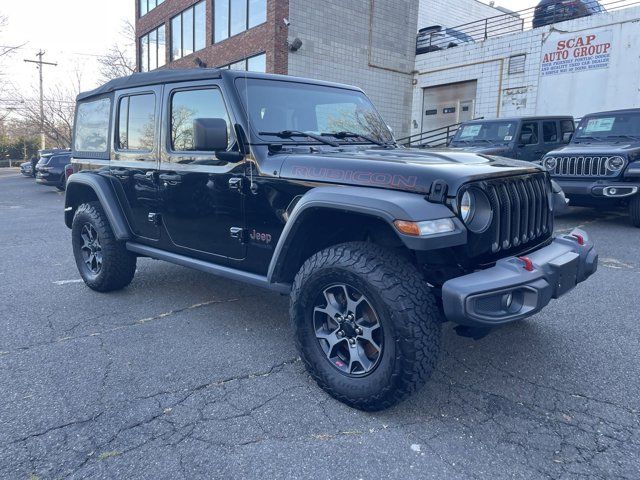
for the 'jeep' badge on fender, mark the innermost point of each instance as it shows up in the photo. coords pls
(260, 238)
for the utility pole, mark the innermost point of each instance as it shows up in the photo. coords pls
(40, 64)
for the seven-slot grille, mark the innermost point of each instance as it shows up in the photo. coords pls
(583, 166)
(521, 210)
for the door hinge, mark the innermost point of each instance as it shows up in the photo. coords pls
(154, 218)
(236, 183)
(238, 233)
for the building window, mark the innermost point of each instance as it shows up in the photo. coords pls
(231, 17)
(257, 63)
(147, 5)
(188, 31)
(152, 49)
(136, 122)
(517, 64)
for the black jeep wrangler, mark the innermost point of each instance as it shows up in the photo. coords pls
(601, 165)
(522, 138)
(298, 186)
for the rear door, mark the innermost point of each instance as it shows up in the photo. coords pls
(134, 162)
(551, 136)
(202, 195)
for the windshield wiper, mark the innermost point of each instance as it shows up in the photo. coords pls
(298, 133)
(342, 135)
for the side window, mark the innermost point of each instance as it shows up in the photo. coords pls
(189, 105)
(137, 122)
(92, 126)
(550, 131)
(566, 126)
(530, 128)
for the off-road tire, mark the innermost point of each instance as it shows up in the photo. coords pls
(408, 312)
(634, 210)
(118, 264)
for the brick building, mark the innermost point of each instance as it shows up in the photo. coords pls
(368, 43)
(361, 42)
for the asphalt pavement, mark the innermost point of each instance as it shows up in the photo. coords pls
(185, 375)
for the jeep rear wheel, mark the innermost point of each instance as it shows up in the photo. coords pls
(367, 325)
(103, 262)
(634, 210)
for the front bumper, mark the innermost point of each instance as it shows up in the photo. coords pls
(508, 291)
(598, 189)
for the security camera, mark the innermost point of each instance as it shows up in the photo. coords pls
(295, 45)
(286, 22)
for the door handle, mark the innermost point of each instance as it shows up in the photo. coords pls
(121, 172)
(170, 178)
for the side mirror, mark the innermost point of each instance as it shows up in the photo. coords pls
(210, 135)
(526, 139)
(566, 138)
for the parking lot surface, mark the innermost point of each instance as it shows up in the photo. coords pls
(185, 375)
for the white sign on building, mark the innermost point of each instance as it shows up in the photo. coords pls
(577, 53)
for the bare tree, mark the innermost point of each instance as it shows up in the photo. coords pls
(59, 109)
(120, 60)
(6, 50)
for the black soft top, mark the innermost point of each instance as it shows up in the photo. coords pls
(168, 75)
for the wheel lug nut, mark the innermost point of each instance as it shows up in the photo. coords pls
(341, 334)
(352, 341)
(359, 331)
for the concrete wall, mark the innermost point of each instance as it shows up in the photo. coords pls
(349, 42)
(502, 94)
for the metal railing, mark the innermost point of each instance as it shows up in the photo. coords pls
(434, 39)
(439, 137)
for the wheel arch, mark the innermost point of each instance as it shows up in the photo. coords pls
(356, 214)
(87, 187)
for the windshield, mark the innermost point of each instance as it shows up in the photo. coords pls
(620, 125)
(494, 132)
(278, 106)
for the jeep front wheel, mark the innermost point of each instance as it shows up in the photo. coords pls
(634, 210)
(103, 262)
(367, 325)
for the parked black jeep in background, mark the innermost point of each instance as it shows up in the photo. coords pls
(523, 138)
(50, 170)
(601, 166)
(298, 186)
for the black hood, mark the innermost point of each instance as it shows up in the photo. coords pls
(399, 168)
(624, 149)
(483, 149)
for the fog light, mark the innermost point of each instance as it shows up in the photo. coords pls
(507, 301)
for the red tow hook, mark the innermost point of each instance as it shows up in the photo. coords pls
(528, 264)
(579, 238)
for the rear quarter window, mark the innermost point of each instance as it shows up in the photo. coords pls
(92, 126)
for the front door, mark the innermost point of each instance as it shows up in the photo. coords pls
(202, 195)
(134, 164)
(529, 146)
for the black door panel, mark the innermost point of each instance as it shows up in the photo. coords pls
(199, 208)
(135, 158)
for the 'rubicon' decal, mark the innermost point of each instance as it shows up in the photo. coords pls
(357, 176)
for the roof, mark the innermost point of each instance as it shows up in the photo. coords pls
(168, 75)
(614, 112)
(517, 119)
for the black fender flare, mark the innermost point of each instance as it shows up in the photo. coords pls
(105, 194)
(386, 205)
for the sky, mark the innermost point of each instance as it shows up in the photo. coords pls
(71, 32)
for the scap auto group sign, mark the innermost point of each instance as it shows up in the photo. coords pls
(576, 53)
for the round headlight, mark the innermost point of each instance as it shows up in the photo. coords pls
(550, 163)
(466, 206)
(475, 210)
(615, 164)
